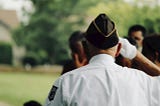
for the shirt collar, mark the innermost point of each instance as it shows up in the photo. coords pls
(103, 58)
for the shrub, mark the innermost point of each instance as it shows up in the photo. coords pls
(5, 53)
(30, 58)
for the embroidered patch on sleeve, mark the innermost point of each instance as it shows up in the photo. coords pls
(52, 93)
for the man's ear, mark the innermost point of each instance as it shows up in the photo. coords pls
(118, 49)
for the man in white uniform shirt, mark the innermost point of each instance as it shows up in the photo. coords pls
(102, 82)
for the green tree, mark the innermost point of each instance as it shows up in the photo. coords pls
(125, 15)
(50, 25)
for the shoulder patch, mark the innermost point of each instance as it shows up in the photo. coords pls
(52, 93)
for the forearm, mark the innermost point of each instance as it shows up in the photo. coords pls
(146, 65)
(129, 51)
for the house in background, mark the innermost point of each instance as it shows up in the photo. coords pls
(8, 22)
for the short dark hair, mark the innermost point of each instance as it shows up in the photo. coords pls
(137, 28)
(151, 45)
(76, 37)
(32, 103)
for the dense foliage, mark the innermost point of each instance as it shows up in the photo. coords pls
(5, 53)
(49, 27)
(52, 22)
(126, 15)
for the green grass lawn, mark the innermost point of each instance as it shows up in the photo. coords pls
(19, 87)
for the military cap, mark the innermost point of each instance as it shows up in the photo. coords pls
(102, 32)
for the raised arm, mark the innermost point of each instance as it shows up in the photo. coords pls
(130, 51)
(146, 65)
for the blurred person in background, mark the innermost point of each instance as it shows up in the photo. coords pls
(138, 33)
(151, 48)
(78, 52)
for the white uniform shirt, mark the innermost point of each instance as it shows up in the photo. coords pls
(104, 83)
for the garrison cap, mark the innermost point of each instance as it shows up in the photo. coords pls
(102, 32)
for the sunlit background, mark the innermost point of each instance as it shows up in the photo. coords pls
(34, 39)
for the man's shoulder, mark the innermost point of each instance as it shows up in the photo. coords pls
(85, 71)
(80, 71)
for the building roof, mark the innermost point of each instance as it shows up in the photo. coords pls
(9, 17)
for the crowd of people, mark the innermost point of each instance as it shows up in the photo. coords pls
(147, 44)
(108, 70)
